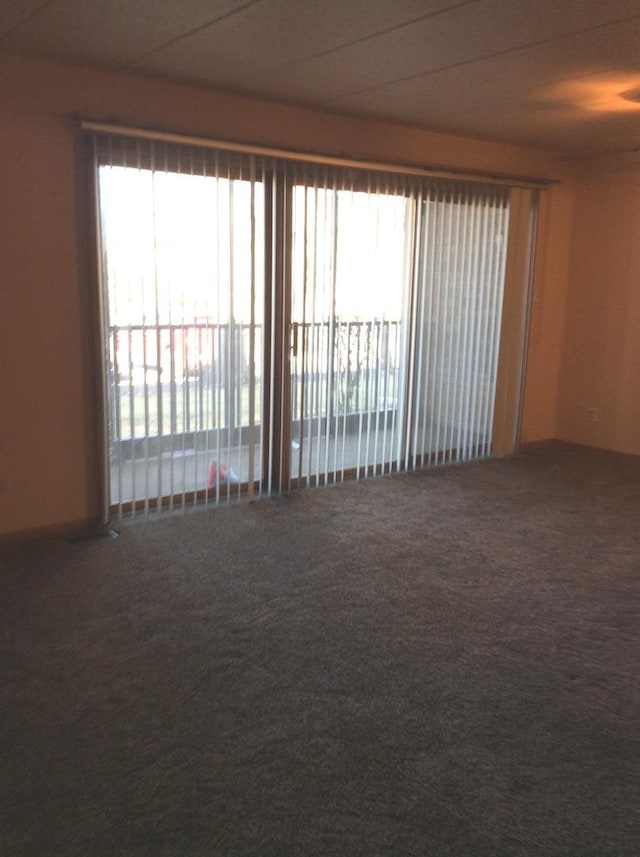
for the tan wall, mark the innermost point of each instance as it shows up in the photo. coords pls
(601, 364)
(47, 455)
(548, 311)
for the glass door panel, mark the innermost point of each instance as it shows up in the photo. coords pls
(183, 268)
(349, 282)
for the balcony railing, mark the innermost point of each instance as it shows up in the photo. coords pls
(171, 384)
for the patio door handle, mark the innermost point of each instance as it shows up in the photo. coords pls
(294, 338)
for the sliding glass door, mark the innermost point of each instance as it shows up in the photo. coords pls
(350, 283)
(182, 240)
(397, 299)
(270, 324)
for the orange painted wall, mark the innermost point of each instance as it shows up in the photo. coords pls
(47, 447)
(601, 360)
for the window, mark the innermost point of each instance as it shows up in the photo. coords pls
(273, 323)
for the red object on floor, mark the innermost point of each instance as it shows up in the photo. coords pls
(217, 473)
(220, 474)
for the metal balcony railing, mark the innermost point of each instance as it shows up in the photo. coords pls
(171, 383)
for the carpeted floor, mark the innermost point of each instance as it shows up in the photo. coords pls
(443, 663)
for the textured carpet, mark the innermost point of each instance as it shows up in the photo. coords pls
(442, 663)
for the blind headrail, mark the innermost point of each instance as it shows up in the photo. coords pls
(309, 157)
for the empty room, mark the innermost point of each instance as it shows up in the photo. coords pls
(320, 428)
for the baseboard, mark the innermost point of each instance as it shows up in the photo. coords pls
(87, 528)
(532, 445)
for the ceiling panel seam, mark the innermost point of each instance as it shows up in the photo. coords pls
(482, 58)
(385, 31)
(212, 23)
(26, 19)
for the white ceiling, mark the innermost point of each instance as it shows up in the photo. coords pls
(550, 73)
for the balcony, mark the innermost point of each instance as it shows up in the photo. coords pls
(184, 395)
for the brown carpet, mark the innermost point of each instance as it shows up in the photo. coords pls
(442, 663)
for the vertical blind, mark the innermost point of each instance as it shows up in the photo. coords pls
(271, 324)
(350, 285)
(457, 322)
(182, 235)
